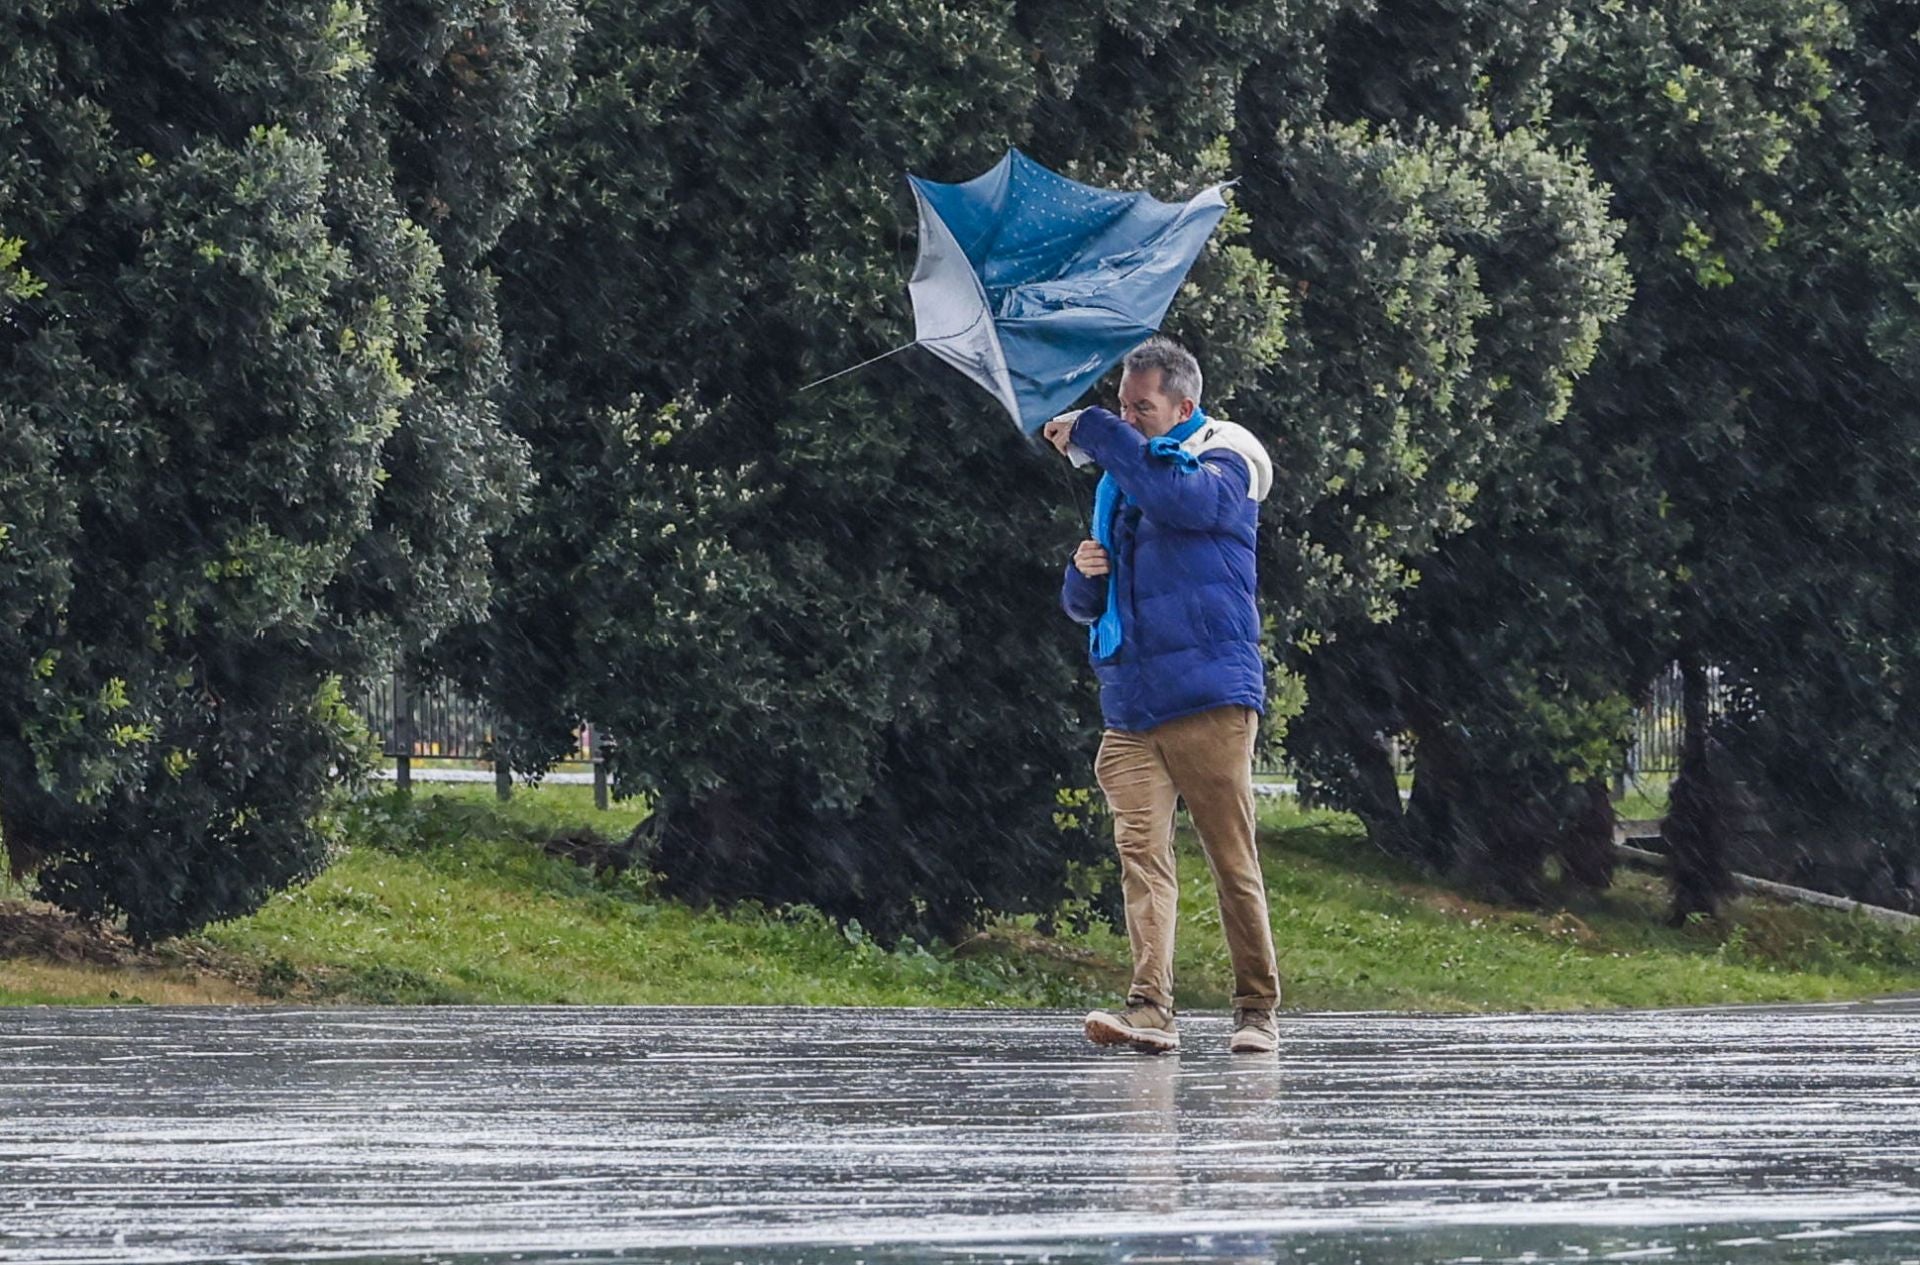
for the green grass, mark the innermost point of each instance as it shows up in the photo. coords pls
(59, 995)
(1646, 797)
(451, 899)
(1354, 930)
(454, 901)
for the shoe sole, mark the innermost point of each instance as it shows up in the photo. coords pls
(1252, 1045)
(1104, 1029)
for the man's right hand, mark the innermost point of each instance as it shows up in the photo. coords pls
(1059, 431)
(1091, 560)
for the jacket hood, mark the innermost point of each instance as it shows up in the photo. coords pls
(1242, 442)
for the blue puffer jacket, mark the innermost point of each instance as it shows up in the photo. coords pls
(1184, 553)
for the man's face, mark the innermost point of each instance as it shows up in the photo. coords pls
(1146, 407)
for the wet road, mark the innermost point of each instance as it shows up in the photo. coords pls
(638, 1135)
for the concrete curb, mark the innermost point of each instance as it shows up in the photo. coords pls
(1778, 891)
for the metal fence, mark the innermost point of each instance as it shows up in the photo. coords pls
(1658, 730)
(433, 722)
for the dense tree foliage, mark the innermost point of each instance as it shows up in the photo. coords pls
(1801, 560)
(244, 358)
(1719, 494)
(1456, 271)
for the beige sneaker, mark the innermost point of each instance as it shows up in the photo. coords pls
(1142, 1025)
(1254, 1031)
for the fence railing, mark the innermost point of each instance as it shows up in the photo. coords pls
(433, 722)
(1658, 730)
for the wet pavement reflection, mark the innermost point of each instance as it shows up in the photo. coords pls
(604, 1134)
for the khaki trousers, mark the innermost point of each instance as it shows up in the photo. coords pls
(1207, 760)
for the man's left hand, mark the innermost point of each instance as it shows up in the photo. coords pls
(1059, 431)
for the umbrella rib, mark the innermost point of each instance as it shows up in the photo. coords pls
(850, 368)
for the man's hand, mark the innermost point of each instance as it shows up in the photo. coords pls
(1090, 559)
(1059, 431)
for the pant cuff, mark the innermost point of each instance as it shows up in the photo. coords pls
(1157, 997)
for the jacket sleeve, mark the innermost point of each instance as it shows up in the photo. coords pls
(1084, 598)
(1204, 500)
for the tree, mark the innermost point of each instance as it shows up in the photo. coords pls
(1697, 506)
(1710, 122)
(1805, 515)
(1455, 270)
(226, 349)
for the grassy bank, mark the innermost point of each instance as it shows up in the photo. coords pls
(452, 898)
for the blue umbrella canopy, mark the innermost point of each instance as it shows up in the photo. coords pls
(1033, 285)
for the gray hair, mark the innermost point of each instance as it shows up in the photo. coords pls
(1179, 371)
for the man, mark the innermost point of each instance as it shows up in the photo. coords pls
(1168, 585)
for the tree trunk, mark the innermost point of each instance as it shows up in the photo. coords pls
(1379, 803)
(1586, 843)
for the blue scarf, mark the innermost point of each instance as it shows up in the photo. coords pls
(1103, 639)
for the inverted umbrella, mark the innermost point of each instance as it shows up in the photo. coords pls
(1033, 285)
